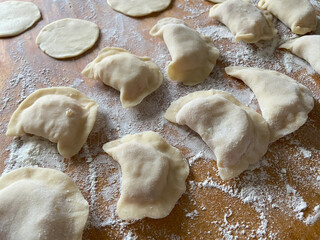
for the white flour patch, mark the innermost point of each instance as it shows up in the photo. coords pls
(31, 151)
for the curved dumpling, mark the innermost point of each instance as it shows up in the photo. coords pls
(39, 203)
(284, 103)
(244, 20)
(153, 175)
(135, 77)
(193, 55)
(298, 15)
(237, 134)
(306, 47)
(61, 114)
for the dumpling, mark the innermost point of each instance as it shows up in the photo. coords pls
(135, 77)
(306, 47)
(41, 203)
(245, 21)
(298, 15)
(284, 103)
(237, 135)
(193, 55)
(61, 114)
(153, 175)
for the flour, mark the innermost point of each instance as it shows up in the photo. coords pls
(32, 151)
(192, 214)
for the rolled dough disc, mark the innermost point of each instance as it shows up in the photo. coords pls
(137, 8)
(67, 37)
(16, 17)
(41, 203)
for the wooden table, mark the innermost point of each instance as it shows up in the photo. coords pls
(260, 204)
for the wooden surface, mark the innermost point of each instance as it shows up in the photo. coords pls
(220, 212)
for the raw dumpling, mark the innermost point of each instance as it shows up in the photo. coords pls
(244, 20)
(138, 8)
(67, 37)
(193, 55)
(284, 103)
(135, 77)
(298, 15)
(306, 47)
(153, 175)
(39, 203)
(16, 17)
(61, 114)
(237, 135)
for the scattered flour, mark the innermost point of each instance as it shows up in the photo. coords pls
(33, 151)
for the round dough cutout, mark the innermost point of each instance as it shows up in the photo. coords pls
(16, 17)
(41, 203)
(67, 37)
(138, 8)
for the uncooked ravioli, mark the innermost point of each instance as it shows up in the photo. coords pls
(306, 47)
(62, 115)
(153, 175)
(41, 203)
(137, 8)
(284, 102)
(16, 17)
(135, 77)
(245, 21)
(237, 135)
(67, 37)
(193, 55)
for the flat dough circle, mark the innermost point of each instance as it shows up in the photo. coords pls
(137, 8)
(41, 203)
(16, 17)
(67, 37)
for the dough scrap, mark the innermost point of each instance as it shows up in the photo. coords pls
(193, 55)
(40, 203)
(237, 135)
(298, 15)
(62, 115)
(138, 8)
(245, 21)
(153, 175)
(306, 47)
(16, 17)
(284, 102)
(135, 77)
(67, 37)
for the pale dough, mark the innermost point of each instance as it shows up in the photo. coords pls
(61, 114)
(39, 203)
(298, 15)
(237, 135)
(306, 47)
(135, 77)
(193, 55)
(138, 8)
(245, 21)
(16, 17)
(153, 175)
(284, 102)
(67, 37)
